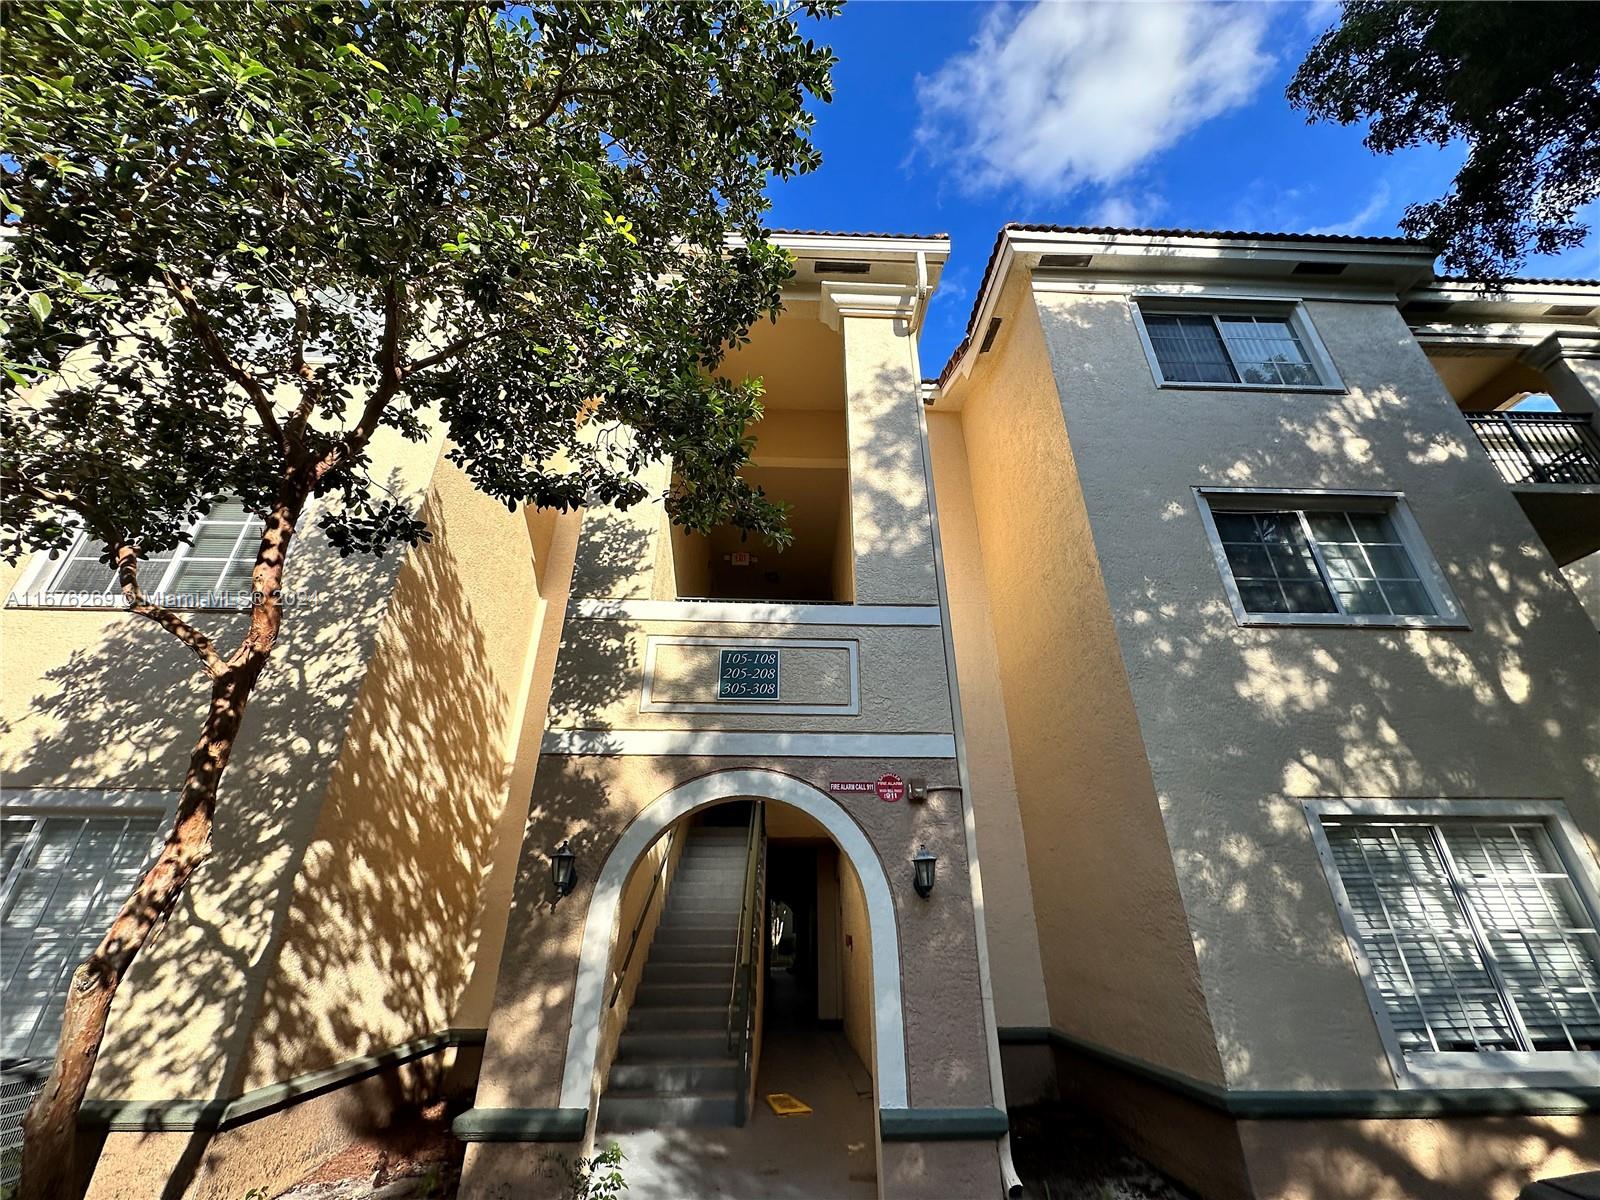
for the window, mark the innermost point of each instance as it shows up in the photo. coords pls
(1234, 347)
(1333, 558)
(213, 571)
(66, 874)
(1475, 937)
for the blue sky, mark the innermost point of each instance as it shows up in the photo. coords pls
(956, 117)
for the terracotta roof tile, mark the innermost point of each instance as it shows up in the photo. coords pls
(1217, 233)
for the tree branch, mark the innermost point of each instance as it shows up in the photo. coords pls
(449, 351)
(224, 362)
(128, 577)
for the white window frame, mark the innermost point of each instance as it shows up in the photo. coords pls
(1466, 1069)
(1211, 307)
(79, 802)
(35, 586)
(1447, 612)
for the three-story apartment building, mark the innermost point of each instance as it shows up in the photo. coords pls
(1185, 704)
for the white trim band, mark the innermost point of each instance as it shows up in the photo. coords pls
(722, 743)
(736, 612)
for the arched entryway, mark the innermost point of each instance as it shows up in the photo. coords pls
(579, 1083)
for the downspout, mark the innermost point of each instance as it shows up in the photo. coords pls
(1010, 1180)
(919, 308)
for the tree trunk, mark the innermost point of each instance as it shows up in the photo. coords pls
(50, 1127)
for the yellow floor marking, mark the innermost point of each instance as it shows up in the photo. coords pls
(786, 1105)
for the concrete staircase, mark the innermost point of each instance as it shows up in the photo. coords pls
(673, 1066)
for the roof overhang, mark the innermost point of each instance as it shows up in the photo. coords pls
(874, 261)
(1572, 302)
(1380, 267)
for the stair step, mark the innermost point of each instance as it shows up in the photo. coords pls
(713, 1017)
(696, 935)
(695, 951)
(677, 1077)
(700, 918)
(720, 973)
(670, 1045)
(647, 1110)
(678, 994)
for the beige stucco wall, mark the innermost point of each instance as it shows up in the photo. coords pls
(855, 959)
(99, 699)
(1488, 1158)
(1118, 965)
(888, 489)
(1241, 724)
(1014, 960)
(830, 940)
(1583, 577)
(378, 941)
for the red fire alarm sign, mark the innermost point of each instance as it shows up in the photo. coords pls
(891, 789)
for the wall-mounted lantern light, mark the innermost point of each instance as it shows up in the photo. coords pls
(563, 869)
(923, 865)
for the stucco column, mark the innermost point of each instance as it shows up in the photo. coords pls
(618, 548)
(1570, 363)
(891, 531)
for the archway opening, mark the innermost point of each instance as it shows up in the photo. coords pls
(696, 1109)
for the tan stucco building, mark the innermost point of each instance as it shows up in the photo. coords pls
(1221, 622)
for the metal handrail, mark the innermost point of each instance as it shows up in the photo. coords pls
(741, 1009)
(1539, 447)
(644, 915)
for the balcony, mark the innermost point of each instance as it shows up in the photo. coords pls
(1552, 463)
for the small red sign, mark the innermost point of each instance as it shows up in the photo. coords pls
(891, 789)
(851, 785)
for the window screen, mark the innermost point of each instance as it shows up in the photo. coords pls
(66, 876)
(1292, 560)
(1475, 934)
(1223, 348)
(1189, 349)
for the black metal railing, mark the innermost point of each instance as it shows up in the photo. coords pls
(1539, 447)
(747, 958)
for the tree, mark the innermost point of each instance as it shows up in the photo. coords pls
(244, 237)
(1519, 85)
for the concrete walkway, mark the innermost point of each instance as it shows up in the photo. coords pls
(829, 1155)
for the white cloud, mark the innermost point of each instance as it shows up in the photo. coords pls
(1127, 210)
(1056, 96)
(1364, 221)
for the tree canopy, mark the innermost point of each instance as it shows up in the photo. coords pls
(258, 232)
(1518, 84)
(243, 238)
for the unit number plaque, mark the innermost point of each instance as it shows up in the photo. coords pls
(748, 675)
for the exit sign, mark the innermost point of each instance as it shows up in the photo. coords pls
(748, 675)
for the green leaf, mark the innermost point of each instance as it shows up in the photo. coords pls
(39, 304)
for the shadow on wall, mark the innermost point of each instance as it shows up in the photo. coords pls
(891, 530)
(597, 665)
(1244, 723)
(318, 929)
